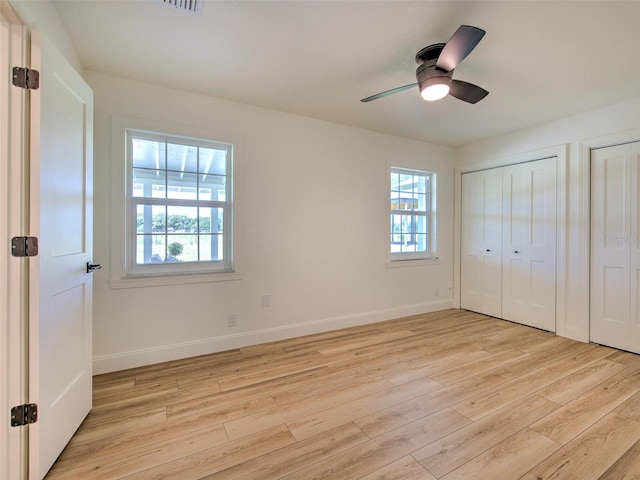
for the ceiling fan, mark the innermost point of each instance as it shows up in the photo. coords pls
(435, 69)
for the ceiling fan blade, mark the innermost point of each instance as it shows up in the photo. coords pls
(461, 43)
(467, 92)
(388, 92)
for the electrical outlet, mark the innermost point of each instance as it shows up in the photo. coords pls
(232, 319)
(266, 300)
(436, 291)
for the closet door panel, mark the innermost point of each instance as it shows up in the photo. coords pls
(481, 258)
(529, 243)
(471, 228)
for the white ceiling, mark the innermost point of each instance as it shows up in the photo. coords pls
(540, 60)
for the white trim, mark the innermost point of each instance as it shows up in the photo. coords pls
(132, 281)
(422, 262)
(582, 271)
(137, 358)
(610, 139)
(13, 273)
(120, 275)
(562, 225)
(541, 154)
(133, 268)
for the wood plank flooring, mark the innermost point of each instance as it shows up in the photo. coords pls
(447, 395)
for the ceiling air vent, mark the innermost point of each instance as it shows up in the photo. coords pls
(190, 6)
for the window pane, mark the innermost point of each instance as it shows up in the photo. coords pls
(396, 229)
(411, 203)
(395, 205)
(395, 181)
(148, 183)
(212, 161)
(204, 220)
(420, 224)
(182, 186)
(213, 187)
(211, 247)
(407, 223)
(420, 183)
(182, 219)
(413, 223)
(211, 220)
(182, 158)
(151, 218)
(409, 233)
(406, 183)
(148, 154)
(422, 202)
(181, 248)
(150, 248)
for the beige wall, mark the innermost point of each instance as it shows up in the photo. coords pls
(310, 230)
(41, 15)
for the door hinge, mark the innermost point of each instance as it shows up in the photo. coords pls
(24, 414)
(24, 246)
(26, 78)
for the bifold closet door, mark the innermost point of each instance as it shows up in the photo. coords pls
(529, 243)
(481, 251)
(615, 249)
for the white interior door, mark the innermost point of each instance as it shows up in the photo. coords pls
(60, 287)
(481, 243)
(529, 244)
(615, 250)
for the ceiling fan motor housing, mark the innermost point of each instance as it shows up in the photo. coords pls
(430, 52)
(427, 73)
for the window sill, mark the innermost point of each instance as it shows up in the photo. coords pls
(421, 262)
(140, 281)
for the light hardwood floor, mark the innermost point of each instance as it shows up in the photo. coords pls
(447, 395)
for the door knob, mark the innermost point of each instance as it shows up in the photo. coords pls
(91, 267)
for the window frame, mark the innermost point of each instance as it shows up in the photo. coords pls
(133, 269)
(396, 258)
(113, 166)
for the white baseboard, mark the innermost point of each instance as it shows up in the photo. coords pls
(164, 353)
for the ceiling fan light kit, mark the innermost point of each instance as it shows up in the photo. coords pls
(435, 91)
(435, 69)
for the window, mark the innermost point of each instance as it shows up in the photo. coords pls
(179, 204)
(411, 214)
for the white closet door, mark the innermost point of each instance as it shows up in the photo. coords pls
(481, 243)
(529, 244)
(615, 253)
